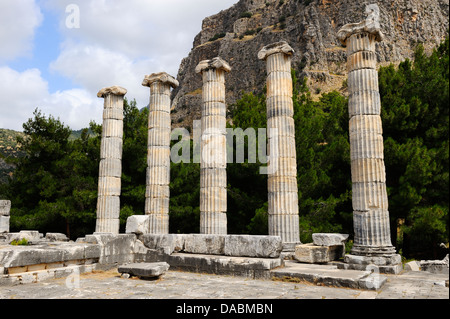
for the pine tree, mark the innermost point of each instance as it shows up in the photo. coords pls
(415, 113)
(54, 187)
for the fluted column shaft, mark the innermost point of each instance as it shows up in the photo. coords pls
(370, 202)
(157, 193)
(369, 195)
(110, 170)
(282, 180)
(213, 175)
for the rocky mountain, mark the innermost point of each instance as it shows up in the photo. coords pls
(310, 27)
(8, 143)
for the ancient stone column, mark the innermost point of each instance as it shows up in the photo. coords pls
(213, 159)
(158, 157)
(370, 201)
(110, 171)
(282, 176)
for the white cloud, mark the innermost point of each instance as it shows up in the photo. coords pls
(76, 107)
(140, 29)
(20, 92)
(119, 42)
(94, 68)
(23, 92)
(18, 22)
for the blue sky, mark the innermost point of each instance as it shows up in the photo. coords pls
(47, 65)
(45, 50)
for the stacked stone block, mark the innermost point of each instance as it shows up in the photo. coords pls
(110, 170)
(5, 207)
(282, 180)
(213, 175)
(158, 159)
(370, 201)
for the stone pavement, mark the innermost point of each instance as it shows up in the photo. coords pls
(189, 286)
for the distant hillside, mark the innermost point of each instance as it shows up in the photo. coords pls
(75, 135)
(8, 144)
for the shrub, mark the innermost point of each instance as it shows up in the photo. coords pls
(250, 32)
(217, 36)
(22, 242)
(246, 15)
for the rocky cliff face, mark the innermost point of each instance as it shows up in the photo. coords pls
(310, 27)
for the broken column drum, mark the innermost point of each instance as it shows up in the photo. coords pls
(370, 202)
(157, 193)
(110, 171)
(282, 175)
(213, 159)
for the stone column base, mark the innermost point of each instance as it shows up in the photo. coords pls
(388, 264)
(363, 250)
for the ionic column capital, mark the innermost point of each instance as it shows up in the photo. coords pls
(162, 77)
(114, 90)
(370, 25)
(216, 63)
(277, 47)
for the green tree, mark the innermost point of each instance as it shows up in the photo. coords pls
(247, 188)
(134, 161)
(53, 187)
(184, 198)
(415, 113)
(323, 162)
(428, 225)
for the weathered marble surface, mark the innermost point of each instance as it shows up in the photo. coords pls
(213, 178)
(137, 224)
(207, 244)
(372, 240)
(329, 239)
(5, 207)
(282, 171)
(312, 254)
(157, 193)
(110, 170)
(144, 270)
